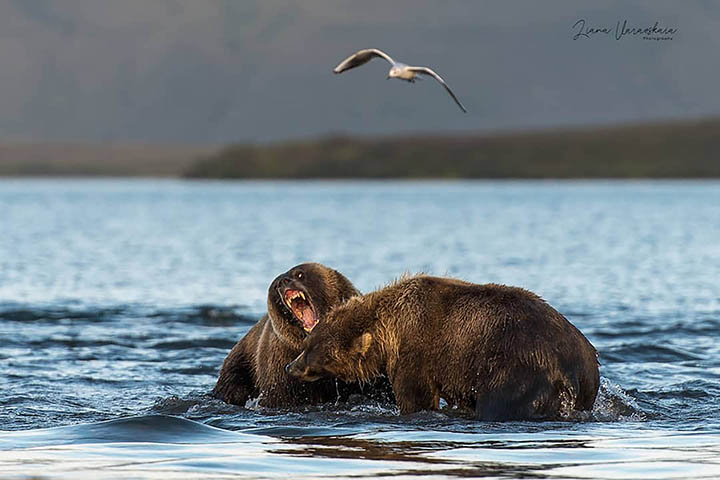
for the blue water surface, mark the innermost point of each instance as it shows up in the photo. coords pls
(119, 300)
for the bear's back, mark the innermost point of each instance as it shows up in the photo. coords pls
(503, 344)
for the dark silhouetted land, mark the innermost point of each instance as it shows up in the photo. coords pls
(71, 159)
(668, 150)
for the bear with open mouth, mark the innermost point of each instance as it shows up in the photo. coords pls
(499, 352)
(255, 368)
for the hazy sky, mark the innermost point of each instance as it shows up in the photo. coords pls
(237, 70)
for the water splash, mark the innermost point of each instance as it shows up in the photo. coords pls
(613, 404)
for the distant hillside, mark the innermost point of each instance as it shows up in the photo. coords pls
(671, 150)
(64, 159)
(219, 71)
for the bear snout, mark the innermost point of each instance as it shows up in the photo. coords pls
(300, 369)
(290, 366)
(297, 367)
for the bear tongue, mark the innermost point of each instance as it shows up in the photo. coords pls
(308, 318)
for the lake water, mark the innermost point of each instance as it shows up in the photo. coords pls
(119, 299)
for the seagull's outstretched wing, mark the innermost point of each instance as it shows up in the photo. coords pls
(429, 71)
(361, 57)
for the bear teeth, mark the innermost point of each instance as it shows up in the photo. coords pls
(298, 294)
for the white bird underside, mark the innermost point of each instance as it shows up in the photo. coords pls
(397, 70)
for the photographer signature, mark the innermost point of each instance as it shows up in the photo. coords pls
(655, 32)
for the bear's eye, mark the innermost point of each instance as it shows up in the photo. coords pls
(299, 275)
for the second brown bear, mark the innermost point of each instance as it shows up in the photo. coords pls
(500, 351)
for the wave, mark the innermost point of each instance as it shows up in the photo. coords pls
(146, 428)
(212, 315)
(646, 327)
(647, 352)
(359, 414)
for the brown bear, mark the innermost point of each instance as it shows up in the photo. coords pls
(499, 351)
(255, 367)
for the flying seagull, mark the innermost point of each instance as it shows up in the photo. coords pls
(397, 70)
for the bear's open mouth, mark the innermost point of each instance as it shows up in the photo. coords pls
(301, 307)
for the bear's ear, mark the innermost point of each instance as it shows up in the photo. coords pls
(362, 344)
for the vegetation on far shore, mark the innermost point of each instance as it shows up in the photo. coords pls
(668, 150)
(662, 150)
(80, 159)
